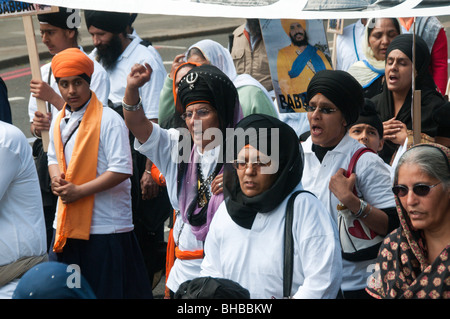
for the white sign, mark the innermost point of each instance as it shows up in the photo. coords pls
(268, 9)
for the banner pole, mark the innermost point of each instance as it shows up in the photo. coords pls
(35, 69)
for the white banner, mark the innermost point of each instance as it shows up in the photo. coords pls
(268, 9)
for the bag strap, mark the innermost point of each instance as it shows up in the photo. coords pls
(355, 158)
(289, 245)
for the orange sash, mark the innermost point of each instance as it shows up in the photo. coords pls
(406, 22)
(74, 219)
(173, 252)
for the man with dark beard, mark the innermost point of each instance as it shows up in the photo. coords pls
(296, 65)
(117, 51)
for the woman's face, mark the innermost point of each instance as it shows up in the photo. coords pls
(327, 130)
(429, 212)
(380, 38)
(252, 179)
(398, 72)
(200, 117)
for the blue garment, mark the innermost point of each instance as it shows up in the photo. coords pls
(52, 280)
(5, 108)
(300, 62)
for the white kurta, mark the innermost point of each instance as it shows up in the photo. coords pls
(99, 84)
(373, 183)
(162, 149)
(254, 257)
(112, 207)
(22, 226)
(349, 46)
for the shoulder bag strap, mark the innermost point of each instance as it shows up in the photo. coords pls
(289, 245)
(354, 159)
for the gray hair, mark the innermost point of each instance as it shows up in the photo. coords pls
(431, 160)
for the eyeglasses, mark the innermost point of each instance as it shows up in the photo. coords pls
(240, 165)
(201, 113)
(418, 189)
(324, 110)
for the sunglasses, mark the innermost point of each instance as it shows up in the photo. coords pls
(418, 189)
(201, 113)
(324, 110)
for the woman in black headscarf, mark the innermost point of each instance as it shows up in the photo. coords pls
(245, 242)
(394, 103)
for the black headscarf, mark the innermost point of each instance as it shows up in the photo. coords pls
(341, 88)
(243, 209)
(430, 97)
(114, 22)
(208, 83)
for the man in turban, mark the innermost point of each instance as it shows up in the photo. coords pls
(59, 31)
(89, 160)
(118, 51)
(296, 65)
(334, 100)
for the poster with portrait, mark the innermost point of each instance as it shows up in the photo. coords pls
(296, 49)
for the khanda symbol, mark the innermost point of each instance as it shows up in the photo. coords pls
(191, 78)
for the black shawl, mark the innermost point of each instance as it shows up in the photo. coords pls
(243, 209)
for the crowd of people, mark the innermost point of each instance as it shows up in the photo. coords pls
(354, 208)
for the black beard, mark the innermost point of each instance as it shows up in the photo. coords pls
(301, 42)
(107, 54)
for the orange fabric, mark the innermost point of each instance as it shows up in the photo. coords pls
(286, 24)
(174, 85)
(174, 252)
(74, 219)
(71, 62)
(157, 176)
(170, 258)
(188, 255)
(406, 22)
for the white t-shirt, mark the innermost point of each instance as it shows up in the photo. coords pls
(99, 84)
(112, 207)
(373, 183)
(22, 225)
(162, 148)
(254, 257)
(349, 46)
(150, 91)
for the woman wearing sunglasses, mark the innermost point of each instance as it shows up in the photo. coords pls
(335, 99)
(245, 242)
(413, 260)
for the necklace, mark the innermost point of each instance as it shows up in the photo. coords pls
(203, 187)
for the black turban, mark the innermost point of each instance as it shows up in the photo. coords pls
(59, 19)
(370, 116)
(208, 83)
(114, 22)
(340, 88)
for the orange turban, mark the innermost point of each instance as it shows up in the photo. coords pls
(286, 24)
(72, 62)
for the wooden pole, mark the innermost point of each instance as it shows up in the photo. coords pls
(35, 69)
(334, 54)
(416, 108)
